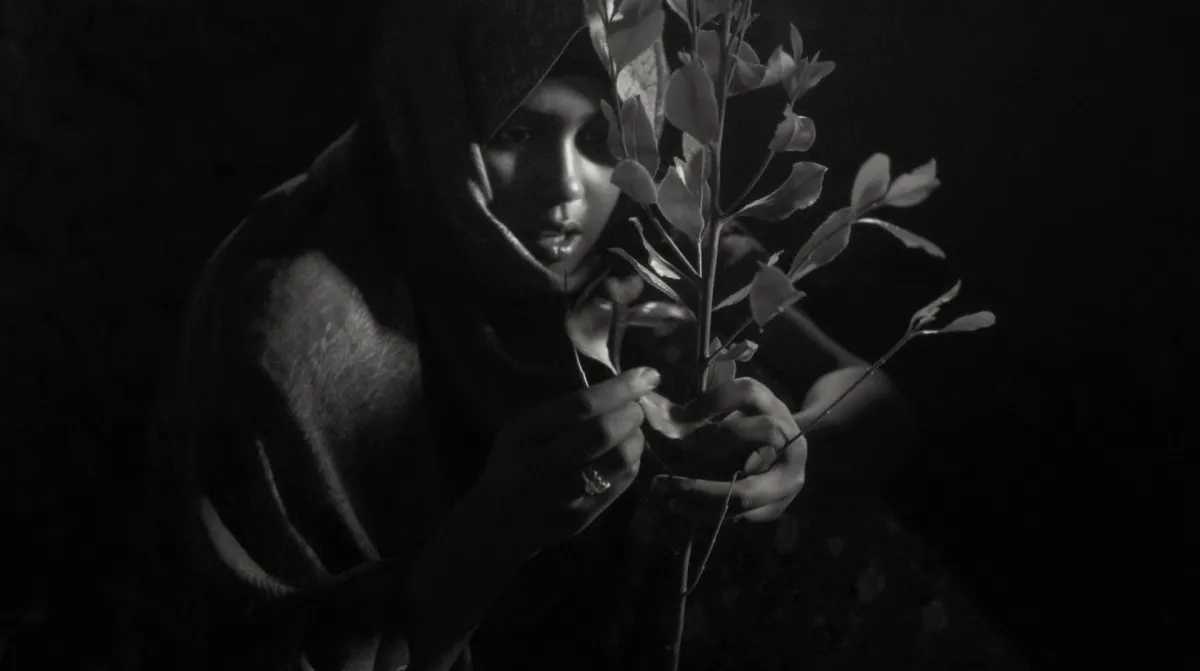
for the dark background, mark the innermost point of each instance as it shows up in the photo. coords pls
(1049, 474)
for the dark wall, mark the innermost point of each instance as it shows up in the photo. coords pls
(135, 134)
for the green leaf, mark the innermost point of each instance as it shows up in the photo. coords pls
(805, 76)
(797, 42)
(910, 239)
(658, 263)
(913, 187)
(780, 68)
(588, 329)
(871, 182)
(830, 238)
(623, 291)
(794, 133)
(679, 205)
(637, 134)
(635, 181)
(800, 190)
(929, 312)
(708, 47)
(735, 298)
(596, 31)
(691, 103)
(770, 293)
(661, 415)
(817, 71)
(737, 246)
(742, 351)
(657, 313)
(709, 9)
(639, 24)
(971, 322)
(651, 279)
(696, 166)
(721, 371)
(615, 145)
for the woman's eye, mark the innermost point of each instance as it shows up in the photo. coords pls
(516, 135)
(594, 137)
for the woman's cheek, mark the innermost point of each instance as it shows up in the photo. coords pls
(501, 167)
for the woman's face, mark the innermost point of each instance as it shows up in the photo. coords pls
(550, 170)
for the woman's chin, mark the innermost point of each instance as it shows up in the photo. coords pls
(574, 269)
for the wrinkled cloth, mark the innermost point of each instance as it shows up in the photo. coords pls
(322, 440)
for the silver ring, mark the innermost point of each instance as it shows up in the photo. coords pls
(594, 483)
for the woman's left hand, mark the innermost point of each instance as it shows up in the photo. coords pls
(759, 432)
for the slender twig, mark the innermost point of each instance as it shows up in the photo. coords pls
(708, 254)
(750, 320)
(684, 562)
(712, 232)
(579, 367)
(659, 460)
(732, 339)
(861, 378)
(617, 338)
(762, 170)
(716, 532)
(687, 264)
(694, 24)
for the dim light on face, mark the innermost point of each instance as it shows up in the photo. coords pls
(550, 171)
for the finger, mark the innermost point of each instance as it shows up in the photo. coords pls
(595, 401)
(763, 514)
(741, 435)
(745, 394)
(707, 497)
(621, 464)
(592, 438)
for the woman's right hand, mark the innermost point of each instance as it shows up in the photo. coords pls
(535, 469)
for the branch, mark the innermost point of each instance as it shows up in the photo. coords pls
(762, 170)
(861, 378)
(684, 562)
(716, 532)
(687, 265)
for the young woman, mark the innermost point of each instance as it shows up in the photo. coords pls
(393, 461)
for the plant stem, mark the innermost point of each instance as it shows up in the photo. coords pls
(750, 320)
(708, 254)
(712, 229)
(762, 170)
(861, 378)
(716, 532)
(687, 264)
(732, 339)
(684, 562)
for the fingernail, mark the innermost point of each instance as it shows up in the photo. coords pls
(650, 378)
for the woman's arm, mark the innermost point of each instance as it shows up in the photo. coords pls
(430, 603)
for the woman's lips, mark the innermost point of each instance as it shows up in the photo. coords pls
(558, 244)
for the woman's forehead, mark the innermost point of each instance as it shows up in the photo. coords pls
(565, 97)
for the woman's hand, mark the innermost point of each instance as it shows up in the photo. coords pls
(536, 467)
(758, 434)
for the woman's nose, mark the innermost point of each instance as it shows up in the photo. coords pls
(565, 178)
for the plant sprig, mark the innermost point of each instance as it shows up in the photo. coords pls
(686, 194)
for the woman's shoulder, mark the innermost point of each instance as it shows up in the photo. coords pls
(284, 289)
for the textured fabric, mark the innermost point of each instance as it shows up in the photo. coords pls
(316, 450)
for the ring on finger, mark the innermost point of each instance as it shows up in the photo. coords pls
(594, 484)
